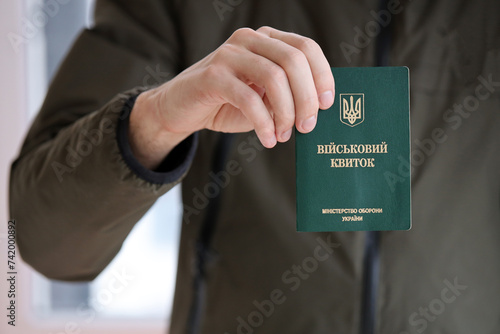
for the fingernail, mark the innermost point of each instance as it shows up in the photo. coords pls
(286, 135)
(326, 99)
(309, 124)
(271, 142)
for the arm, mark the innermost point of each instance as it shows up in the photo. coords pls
(264, 80)
(73, 192)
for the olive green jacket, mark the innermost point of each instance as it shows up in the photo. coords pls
(76, 190)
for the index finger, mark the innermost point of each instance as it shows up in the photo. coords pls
(320, 68)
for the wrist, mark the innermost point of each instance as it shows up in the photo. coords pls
(150, 141)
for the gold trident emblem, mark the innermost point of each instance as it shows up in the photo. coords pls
(352, 109)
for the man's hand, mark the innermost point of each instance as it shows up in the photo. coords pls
(265, 80)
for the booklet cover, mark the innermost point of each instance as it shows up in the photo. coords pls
(352, 169)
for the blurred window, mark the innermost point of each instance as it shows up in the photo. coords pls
(139, 282)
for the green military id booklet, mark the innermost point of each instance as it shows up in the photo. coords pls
(349, 167)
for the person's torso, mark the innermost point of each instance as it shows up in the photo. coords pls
(442, 276)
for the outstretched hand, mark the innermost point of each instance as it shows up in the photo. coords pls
(265, 80)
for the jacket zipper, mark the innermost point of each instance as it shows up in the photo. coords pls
(371, 261)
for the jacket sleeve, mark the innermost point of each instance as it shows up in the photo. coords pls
(76, 190)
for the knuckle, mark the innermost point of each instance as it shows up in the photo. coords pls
(211, 73)
(242, 33)
(310, 105)
(264, 29)
(308, 45)
(285, 120)
(326, 80)
(250, 98)
(224, 52)
(327, 75)
(276, 75)
(264, 125)
(295, 58)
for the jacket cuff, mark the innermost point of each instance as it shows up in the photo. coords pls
(171, 169)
